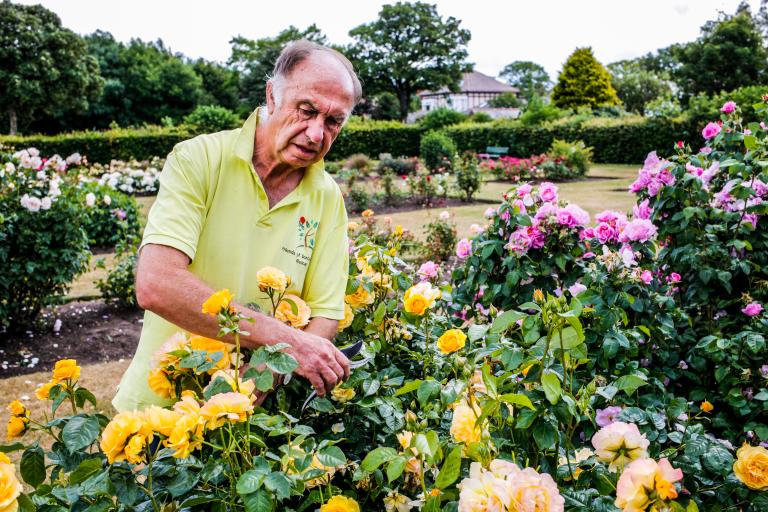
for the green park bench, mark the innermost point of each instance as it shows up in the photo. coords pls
(495, 151)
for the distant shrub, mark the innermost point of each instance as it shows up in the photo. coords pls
(399, 166)
(119, 284)
(437, 150)
(575, 155)
(440, 240)
(467, 175)
(359, 199)
(359, 162)
(212, 118)
(440, 118)
(480, 117)
(539, 112)
(109, 216)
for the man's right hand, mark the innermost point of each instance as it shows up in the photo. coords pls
(320, 362)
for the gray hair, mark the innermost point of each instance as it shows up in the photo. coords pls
(297, 52)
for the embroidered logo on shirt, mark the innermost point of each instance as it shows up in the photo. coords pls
(306, 233)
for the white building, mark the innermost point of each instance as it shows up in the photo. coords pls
(475, 91)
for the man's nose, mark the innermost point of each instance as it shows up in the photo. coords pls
(315, 131)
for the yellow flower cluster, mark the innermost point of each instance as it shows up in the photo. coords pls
(18, 423)
(349, 316)
(420, 297)
(342, 394)
(218, 302)
(272, 279)
(165, 361)
(65, 373)
(10, 487)
(464, 428)
(360, 298)
(284, 311)
(451, 341)
(129, 434)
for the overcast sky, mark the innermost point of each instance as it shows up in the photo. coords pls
(543, 31)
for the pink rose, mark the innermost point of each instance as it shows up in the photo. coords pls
(605, 417)
(576, 288)
(752, 309)
(428, 270)
(588, 233)
(572, 216)
(520, 241)
(523, 190)
(642, 210)
(710, 131)
(463, 248)
(588, 255)
(605, 232)
(644, 480)
(546, 210)
(728, 107)
(674, 277)
(638, 230)
(646, 276)
(548, 191)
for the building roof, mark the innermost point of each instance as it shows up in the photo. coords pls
(476, 82)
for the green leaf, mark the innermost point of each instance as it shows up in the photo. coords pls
(544, 434)
(427, 390)
(182, 482)
(85, 470)
(264, 380)
(332, 456)
(32, 466)
(82, 395)
(570, 337)
(489, 381)
(377, 457)
(292, 303)
(421, 443)
(476, 332)
(750, 142)
(371, 386)
(378, 315)
(550, 382)
(629, 383)
(279, 484)
(517, 399)
(503, 322)
(408, 387)
(14, 447)
(280, 362)
(79, 432)
(718, 459)
(220, 385)
(250, 481)
(450, 470)
(395, 468)
(259, 501)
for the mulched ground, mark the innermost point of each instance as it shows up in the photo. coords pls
(411, 204)
(90, 332)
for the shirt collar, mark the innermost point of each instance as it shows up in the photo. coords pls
(314, 174)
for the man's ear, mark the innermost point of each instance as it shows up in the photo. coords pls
(270, 97)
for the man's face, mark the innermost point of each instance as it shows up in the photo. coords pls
(316, 100)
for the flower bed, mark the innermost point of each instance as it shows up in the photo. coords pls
(567, 365)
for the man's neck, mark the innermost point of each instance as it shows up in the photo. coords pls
(278, 178)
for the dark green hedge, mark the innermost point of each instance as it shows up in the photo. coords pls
(612, 143)
(626, 143)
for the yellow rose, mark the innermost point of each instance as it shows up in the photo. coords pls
(16, 408)
(451, 341)
(160, 384)
(43, 392)
(360, 298)
(216, 302)
(340, 503)
(118, 434)
(352, 226)
(620, 443)
(416, 304)
(538, 295)
(418, 298)
(342, 395)
(188, 403)
(367, 213)
(134, 449)
(212, 347)
(160, 420)
(349, 316)
(706, 406)
(271, 278)
(17, 426)
(224, 407)
(751, 467)
(66, 369)
(463, 428)
(176, 343)
(246, 387)
(404, 438)
(10, 487)
(284, 311)
(186, 436)
(4, 459)
(398, 230)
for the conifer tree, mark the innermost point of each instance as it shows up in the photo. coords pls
(583, 82)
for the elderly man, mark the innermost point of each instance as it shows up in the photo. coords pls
(233, 202)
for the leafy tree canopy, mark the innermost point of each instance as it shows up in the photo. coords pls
(44, 68)
(256, 59)
(583, 82)
(636, 86)
(505, 100)
(410, 48)
(531, 78)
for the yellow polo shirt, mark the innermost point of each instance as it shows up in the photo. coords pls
(212, 206)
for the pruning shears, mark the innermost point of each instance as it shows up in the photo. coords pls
(350, 351)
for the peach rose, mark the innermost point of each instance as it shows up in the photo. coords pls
(751, 467)
(645, 481)
(284, 311)
(619, 443)
(271, 278)
(226, 407)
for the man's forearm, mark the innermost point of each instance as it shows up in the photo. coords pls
(323, 327)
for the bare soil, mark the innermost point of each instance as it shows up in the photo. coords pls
(89, 331)
(412, 204)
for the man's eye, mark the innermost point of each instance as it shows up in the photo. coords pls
(333, 122)
(306, 113)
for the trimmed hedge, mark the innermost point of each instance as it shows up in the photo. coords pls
(614, 140)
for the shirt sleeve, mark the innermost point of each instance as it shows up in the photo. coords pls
(178, 214)
(327, 274)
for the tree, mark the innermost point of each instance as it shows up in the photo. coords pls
(583, 82)
(44, 67)
(220, 84)
(505, 100)
(728, 55)
(255, 60)
(410, 48)
(636, 86)
(531, 78)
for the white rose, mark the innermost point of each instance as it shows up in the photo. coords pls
(444, 215)
(74, 159)
(33, 151)
(32, 204)
(45, 204)
(107, 200)
(90, 199)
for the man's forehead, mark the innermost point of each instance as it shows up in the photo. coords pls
(319, 78)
